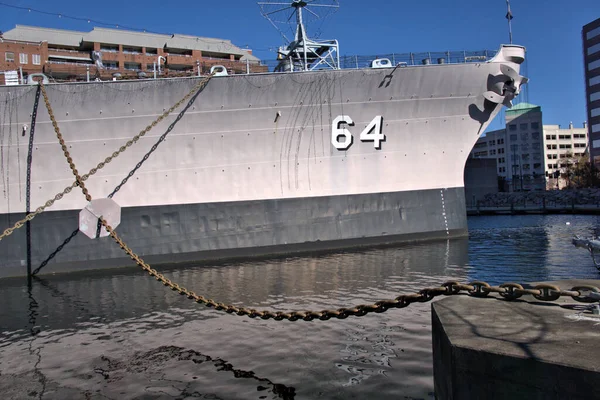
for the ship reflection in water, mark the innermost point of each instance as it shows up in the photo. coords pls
(120, 334)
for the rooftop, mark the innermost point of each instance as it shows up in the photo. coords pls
(124, 37)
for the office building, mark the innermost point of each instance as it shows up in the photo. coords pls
(530, 156)
(591, 58)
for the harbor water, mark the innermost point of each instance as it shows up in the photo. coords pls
(119, 334)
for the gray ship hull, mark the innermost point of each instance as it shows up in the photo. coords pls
(254, 164)
(218, 231)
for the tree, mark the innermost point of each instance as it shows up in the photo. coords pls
(578, 172)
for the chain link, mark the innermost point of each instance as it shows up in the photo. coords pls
(509, 291)
(102, 164)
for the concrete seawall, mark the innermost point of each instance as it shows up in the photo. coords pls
(489, 348)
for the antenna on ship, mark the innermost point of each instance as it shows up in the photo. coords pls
(509, 17)
(302, 53)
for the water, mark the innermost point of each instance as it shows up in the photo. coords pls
(122, 335)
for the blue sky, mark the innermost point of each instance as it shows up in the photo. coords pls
(550, 29)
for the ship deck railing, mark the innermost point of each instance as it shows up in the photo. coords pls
(409, 59)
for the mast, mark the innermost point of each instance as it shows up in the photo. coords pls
(302, 53)
(509, 17)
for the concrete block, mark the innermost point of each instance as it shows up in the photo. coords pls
(490, 348)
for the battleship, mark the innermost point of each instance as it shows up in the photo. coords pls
(316, 155)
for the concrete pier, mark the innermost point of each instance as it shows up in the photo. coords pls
(490, 348)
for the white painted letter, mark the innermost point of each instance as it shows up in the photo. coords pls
(336, 132)
(377, 136)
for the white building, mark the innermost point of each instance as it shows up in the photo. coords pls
(528, 153)
(562, 146)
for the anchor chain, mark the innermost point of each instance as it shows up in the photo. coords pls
(509, 291)
(107, 160)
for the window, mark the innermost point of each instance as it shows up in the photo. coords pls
(113, 48)
(525, 147)
(512, 127)
(551, 146)
(500, 141)
(501, 160)
(492, 142)
(578, 136)
(535, 125)
(35, 59)
(524, 136)
(481, 153)
(9, 57)
(593, 96)
(595, 111)
(133, 66)
(492, 152)
(593, 65)
(526, 166)
(596, 128)
(549, 166)
(523, 127)
(593, 49)
(513, 138)
(23, 58)
(596, 143)
(500, 170)
(595, 80)
(564, 146)
(537, 165)
(579, 145)
(564, 137)
(548, 137)
(552, 156)
(535, 136)
(111, 64)
(593, 33)
(501, 151)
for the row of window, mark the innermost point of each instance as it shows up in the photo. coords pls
(523, 126)
(555, 156)
(9, 56)
(562, 146)
(525, 136)
(567, 137)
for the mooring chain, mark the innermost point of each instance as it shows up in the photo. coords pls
(102, 164)
(509, 291)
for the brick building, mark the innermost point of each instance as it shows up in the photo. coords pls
(112, 53)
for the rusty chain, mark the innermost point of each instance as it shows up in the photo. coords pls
(102, 164)
(509, 291)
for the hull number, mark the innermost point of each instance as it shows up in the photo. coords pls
(342, 139)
